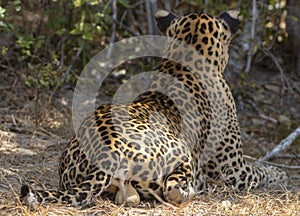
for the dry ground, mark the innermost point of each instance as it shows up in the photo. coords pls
(29, 153)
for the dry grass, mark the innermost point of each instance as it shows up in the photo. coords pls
(35, 159)
(213, 204)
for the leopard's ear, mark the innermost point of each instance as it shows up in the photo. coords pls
(232, 18)
(164, 19)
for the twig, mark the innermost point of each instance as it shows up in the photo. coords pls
(263, 116)
(43, 130)
(283, 78)
(271, 163)
(252, 35)
(287, 156)
(71, 65)
(10, 86)
(62, 52)
(149, 17)
(37, 98)
(127, 28)
(282, 145)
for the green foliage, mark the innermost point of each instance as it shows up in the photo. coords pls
(50, 40)
(46, 35)
(44, 77)
(274, 19)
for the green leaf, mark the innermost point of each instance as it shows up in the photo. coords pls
(124, 3)
(87, 36)
(3, 24)
(4, 50)
(75, 31)
(93, 2)
(78, 3)
(17, 5)
(2, 12)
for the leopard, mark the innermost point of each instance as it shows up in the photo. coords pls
(174, 140)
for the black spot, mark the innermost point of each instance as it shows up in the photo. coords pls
(79, 178)
(198, 47)
(228, 148)
(207, 68)
(72, 172)
(187, 24)
(154, 186)
(204, 16)
(203, 28)
(215, 34)
(102, 128)
(216, 53)
(182, 21)
(78, 199)
(97, 186)
(188, 38)
(210, 26)
(145, 176)
(198, 64)
(106, 165)
(225, 158)
(248, 169)
(85, 186)
(241, 186)
(232, 180)
(102, 156)
(115, 155)
(243, 176)
(136, 169)
(75, 154)
(108, 177)
(83, 165)
(100, 176)
(195, 38)
(66, 199)
(211, 166)
(189, 56)
(232, 155)
(130, 154)
(205, 40)
(186, 30)
(210, 174)
(193, 16)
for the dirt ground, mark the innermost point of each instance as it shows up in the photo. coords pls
(33, 133)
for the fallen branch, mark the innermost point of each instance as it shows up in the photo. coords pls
(287, 156)
(282, 145)
(271, 163)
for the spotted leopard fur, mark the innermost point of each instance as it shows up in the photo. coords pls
(172, 140)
